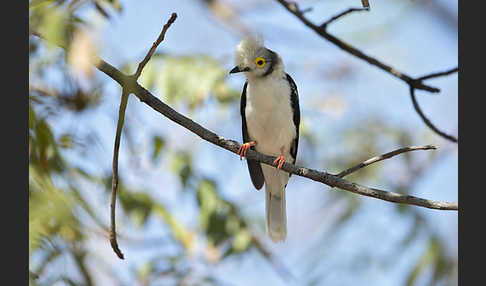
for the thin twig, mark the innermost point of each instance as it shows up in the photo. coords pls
(383, 157)
(426, 120)
(154, 46)
(350, 10)
(438, 74)
(114, 181)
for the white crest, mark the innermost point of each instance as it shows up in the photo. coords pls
(247, 49)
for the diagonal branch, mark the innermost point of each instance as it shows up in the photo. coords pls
(350, 10)
(383, 157)
(233, 146)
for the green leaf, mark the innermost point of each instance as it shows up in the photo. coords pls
(193, 79)
(35, 3)
(144, 271)
(138, 205)
(181, 165)
(427, 257)
(208, 202)
(54, 24)
(148, 76)
(50, 211)
(181, 233)
(159, 144)
(66, 141)
(242, 240)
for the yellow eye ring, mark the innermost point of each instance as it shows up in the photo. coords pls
(260, 62)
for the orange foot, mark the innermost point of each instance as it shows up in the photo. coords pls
(280, 160)
(244, 147)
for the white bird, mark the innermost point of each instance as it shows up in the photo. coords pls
(270, 123)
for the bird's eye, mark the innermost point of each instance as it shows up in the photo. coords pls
(260, 62)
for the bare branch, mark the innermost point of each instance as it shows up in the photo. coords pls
(438, 74)
(114, 181)
(350, 10)
(292, 8)
(413, 83)
(154, 46)
(419, 110)
(384, 157)
(233, 146)
(426, 120)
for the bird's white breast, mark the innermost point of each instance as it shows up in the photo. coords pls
(269, 115)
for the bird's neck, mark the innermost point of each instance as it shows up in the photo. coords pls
(277, 74)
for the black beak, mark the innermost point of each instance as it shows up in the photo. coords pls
(237, 69)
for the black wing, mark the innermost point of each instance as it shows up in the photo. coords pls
(294, 103)
(256, 173)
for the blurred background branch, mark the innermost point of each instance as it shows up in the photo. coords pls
(413, 83)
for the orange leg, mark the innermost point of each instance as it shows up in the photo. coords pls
(244, 147)
(280, 159)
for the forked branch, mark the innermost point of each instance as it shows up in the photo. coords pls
(413, 83)
(121, 118)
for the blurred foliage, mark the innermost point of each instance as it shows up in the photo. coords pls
(220, 220)
(189, 80)
(64, 220)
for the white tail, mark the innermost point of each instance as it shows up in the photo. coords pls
(276, 216)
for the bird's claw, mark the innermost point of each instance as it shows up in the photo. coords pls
(280, 160)
(244, 147)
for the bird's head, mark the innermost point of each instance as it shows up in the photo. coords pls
(254, 59)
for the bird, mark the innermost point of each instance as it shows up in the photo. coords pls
(270, 116)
